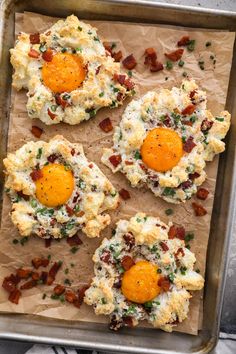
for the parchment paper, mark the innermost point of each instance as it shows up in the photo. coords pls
(130, 38)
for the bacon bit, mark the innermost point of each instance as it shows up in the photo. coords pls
(194, 175)
(80, 214)
(202, 193)
(70, 296)
(15, 296)
(175, 55)
(199, 210)
(164, 284)
(206, 125)
(36, 131)
(40, 262)
(176, 231)
(183, 41)
(158, 66)
(33, 53)
(61, 102)
(107, 46)
(36, 174)
(52, 272)
(189, 144)
(44, 277)
(192, 94)
(129, 240)
(164, 246)
(72, 152)
(69, 210)
(119, 96)
(129, 163)
(128, 321)
(106, 257)
(106, 125)
(35, 276)
(119, 78)
(51, 115)
(150, 56)
(127, 262)
(48, 242)
(59, 289)
(124, 194)
(97, 70)
(129, 84)
(29, 284)
(179, 251)
(34, 38)
(117, 56)
(186, 184)
(167, 121)
(23, 273)
(76, 198)
(48, 55)
(189, 109)
(129, 62)
(48, 33)
(52, 158)
(90, 165)
(9, 283)
(117, 284)
(80, 296)
(115, 160)
(74, 241)
(188, 122)
(22, 195)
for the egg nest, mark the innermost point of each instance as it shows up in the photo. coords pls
(68, 73)
(143, 242)
(170, 163)
(55, 191)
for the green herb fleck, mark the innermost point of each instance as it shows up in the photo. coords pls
(189, 236)
(130, 74)
(191, 45)
(39, 154)
(113, 45)
(131, 309)
(166, 78)
(49, 257)
(168, 191)
(79, 49)
(137, 155)
(55, 297)
(101, 94)
(24, 240)
(171, 277)
(169, 211)
(15, 241)
(169, 65)
(184, 74)
(67, 282)
(139, 220)
(72, 265)
(53, 108)
(103, 301)
(63, 50)
(183, 270)
(197, 270)
(181, 63)
(220, 119)
(184, 139)
(44, 296)
(42, 47)
(188, 246)
(113, 232)
(80, 28)
(66, 271)
(201, 64)
(62, 298)
(82, 184)
(193, 119)
(74, 249)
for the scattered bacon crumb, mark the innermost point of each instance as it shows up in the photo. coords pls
(124, 194)
(52, 158)
(59, 289)
(189, 144)
(189, 109)
(175, 55)
(51, 115)
(176, 231)
(119, 96)
(36, 131)
(106, 125)
(9, 283)
(74, 241)
(107, 46)
(128, 321)
(48, 55)
(23, 273)
(129, 62)
(206, 125)
(72, 152)
(44, 277)
(188, 122)
(199, 210)
(106, 256)
(117, 56)
(120, 78)
(202, 193)
(80, 296)
(29, 284)
(194, 175)
(192, 94)
(115, 160)
(48, 242)
(150, 56)
(80, 213)
(186, 184)
(164, 246)
(129, 163)
(40, 262)
(34, 38)
(158, 66)
(33, 53)
(35, 276)
(69, 210)
(127, 262)
(52, 272)
(61, 102)
(180, 251)
(164, 284)
(36, 174)
(70, 296)
(129, 84)
(183, 41)
(15, 296)
(22, 195)
(129, 240)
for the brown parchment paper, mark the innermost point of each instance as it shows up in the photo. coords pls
(130, 38)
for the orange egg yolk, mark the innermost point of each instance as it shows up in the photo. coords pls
(162, 149)
(140, 282)
(64, 73)
(56, 185)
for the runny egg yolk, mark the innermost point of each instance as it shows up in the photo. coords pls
(162, 149)
(64, 73)
(140, 282)
(55, 186)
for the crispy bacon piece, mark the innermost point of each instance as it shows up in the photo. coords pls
(44, 277)
(29, 284)
(176, 231)
(15, 296)
(34, 38)
(53, 272)
(36, 174)
(129, 84)
(119, 78)
(164, 246)
(106, 257)
(124, 194)
(80, 296)
(198, 209)
(129, 62)
(23, 273)
(36, 131)
(22, 195)
(40, 262)
(158, 66)
(69, 210)
(59, 289)
(127, 262)
(80, 213)
(206, 125)
(129, 240)
(52, 158)
(186, 184)
(189, 144)
(150, 56)
(61, 102)
(33, 53)
(188, 110)
(9, 283)
(128, 321)
(97, 70)
(175, 55)
(48, 55)
(115, 160)
(180, 251)
(192, 94)
(167, 121)
(183, 41)
(107, 46)
(117, 56)
(74, 241)
(70, 296)
(129, 163)
(188, 122)
(164, 284)
(106, 125)
(194, 175)
(51, 115)
(120, 96)
(117, 284)
(202, 193)
(48, 242)
(72, 152)
(35, 276)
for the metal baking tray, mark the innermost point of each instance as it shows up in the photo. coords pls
(92, 335)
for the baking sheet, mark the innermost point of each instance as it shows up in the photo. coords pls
(128, 38)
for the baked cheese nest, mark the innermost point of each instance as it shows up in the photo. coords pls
(143, 240)
(164, 140)
(55, 191)
(68, 73)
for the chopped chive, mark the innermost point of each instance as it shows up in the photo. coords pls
(169, 65)
(74, 249)
(169, 211)
(39, 154)
(101, 94)
(191, 45)
(130, 74)
(67, 282)
(184, 74)
(15, 241)
(80, 28)
(181, 63)
(220, 119)
(44, 296)
(24, 240)
(137, 155)
(66, 271)
(189, 236)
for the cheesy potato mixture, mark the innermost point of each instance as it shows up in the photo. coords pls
(55, 191)
(164, 140)
(68, 73)
(140, 274)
